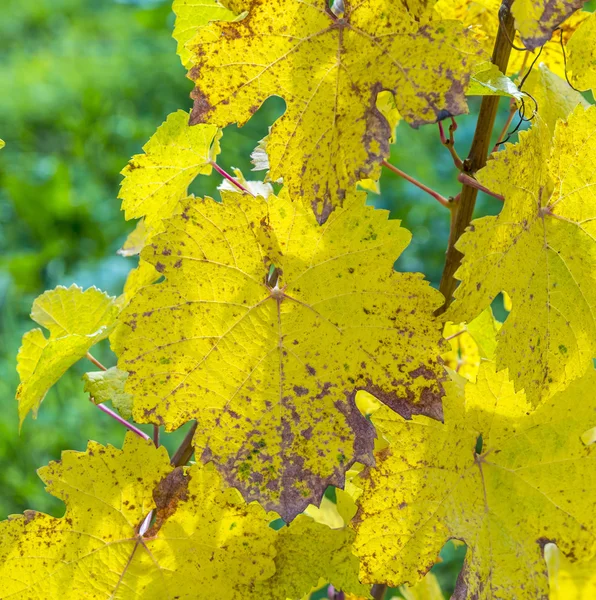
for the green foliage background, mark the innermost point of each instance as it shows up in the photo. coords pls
(84, 85)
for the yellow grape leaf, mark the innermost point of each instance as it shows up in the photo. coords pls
(483, 17)
(555, 98)
(76, 320)
(154, 182)
(190, 16)
(263, 330)
(540, 249)
(330, 70)
(569, 580)
(308, 554)
(536, 20)
(497, 476)
(257, 188)
(470, 343)
(105, 386)
(487, 80)
(582, 55)
(205, 542)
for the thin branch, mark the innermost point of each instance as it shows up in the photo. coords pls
(506, 126)
(464, 207)
(442, 200)
(186, 448)
(122, 421)
(456, 334)
(96, 362)
(450, 143)
(469, 180)
(231, 179)
(156, 435)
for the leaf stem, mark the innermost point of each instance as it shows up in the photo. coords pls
(456, 334)
(440, 199)
(156, 435)
(470, 181)
(378, 591)
(450, 143)
(122, 421)
(95, 361)
(503, 133)
(231, 179)
(464, 208)
(186, 448)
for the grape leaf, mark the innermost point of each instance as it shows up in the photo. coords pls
(136, 240)
(204, 542)
(104, 386)
(536, 20)
(190, 16)
(269, 367)
(76, 320)
(501, 478)
(555, 98)
(540, 249)
(569, 580)
(154, 182)
(332, 134)
(582, 55)
(487, 80)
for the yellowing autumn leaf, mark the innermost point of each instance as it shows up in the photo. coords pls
(106, 386)
(329, 70)
(540, 249)
(204, 542)
(263, 330)
(154, 182)
(536, 20)
(427, 589)
(483, 17)
(582, 55)
(569, 580)
(555, 99)
(192, 14)
(76, 320)
(497, 476)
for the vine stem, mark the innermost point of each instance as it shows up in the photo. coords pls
(464, 208)
(231, 179)
(95, 361)
(468, 180)
(442, 200)
(186, 448)
(122, 421)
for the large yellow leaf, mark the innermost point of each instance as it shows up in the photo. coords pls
(154, 182)
(269, 367)
(582, 55)
(329, 69)
(499, 477)
(76, 320)
(537, 19)
(204, 543)
(540, 249)
(569, 580)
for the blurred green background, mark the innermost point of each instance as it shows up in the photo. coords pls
(84, 85)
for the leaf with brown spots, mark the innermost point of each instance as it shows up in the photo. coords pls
(205, 542)
(497, 476)
(265, 327)
(330, 68)
(541, 250)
